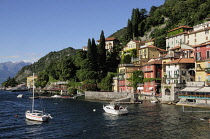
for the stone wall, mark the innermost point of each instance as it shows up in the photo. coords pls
(107, 95)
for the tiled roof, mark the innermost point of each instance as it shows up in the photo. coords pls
(154, 62)
(175, 48)
(180, 27)
(202, 44)
(182, 61)
(108, 39)
(152, 46)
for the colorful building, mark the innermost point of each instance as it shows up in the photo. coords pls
(152, 77)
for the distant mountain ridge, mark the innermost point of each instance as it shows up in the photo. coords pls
(10, 69)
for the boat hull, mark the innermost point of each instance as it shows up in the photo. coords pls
(111, 110)
(37, 117)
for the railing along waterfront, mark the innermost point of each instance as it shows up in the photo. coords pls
(195, 96)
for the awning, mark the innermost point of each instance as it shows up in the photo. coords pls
(140, 88)
(203, 89)
(189, 89)
(150, 88)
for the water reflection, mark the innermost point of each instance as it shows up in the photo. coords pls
(30, 122)
(110, 119)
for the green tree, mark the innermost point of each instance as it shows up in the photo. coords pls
(42, 79)
(129, 30)
(102, 55)
(106, 83)
(136, 78)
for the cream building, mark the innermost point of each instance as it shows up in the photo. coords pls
(199, 34)
(30, 81)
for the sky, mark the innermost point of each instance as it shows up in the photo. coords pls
(30, 29)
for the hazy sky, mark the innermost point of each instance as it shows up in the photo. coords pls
(30, 29)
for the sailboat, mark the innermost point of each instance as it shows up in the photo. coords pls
(36, 115)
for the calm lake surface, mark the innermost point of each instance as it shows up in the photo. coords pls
(76, 119)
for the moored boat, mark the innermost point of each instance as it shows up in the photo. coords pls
(20, 96)
(115, 109)
(36, 115)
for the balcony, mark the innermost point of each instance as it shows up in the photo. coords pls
(135, 59)
(147, 69)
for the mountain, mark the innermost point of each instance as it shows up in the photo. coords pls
(10, 69)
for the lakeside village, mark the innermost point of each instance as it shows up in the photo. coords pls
(184, 70)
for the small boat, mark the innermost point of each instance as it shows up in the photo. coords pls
(115, 109)
(20, 96)
(56, 96)
(153, 101)
(36, 115)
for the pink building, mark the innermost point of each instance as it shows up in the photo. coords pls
(152, 75)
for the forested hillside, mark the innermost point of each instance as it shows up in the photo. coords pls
(43, 63)
(144, 25)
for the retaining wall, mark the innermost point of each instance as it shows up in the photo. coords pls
(107, 95)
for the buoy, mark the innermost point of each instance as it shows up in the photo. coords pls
(94, 110)
(16, 115)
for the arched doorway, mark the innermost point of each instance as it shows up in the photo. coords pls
(167, 92)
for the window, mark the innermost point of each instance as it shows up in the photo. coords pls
(199, 78)
(207, 32)
(198, 56)
(207, 54)
(167, 92)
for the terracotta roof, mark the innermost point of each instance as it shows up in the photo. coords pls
(182, 61)
(180, 27)
(154, 62)
(175, 48)
(152, 46)
(108, 39)
(202, 44)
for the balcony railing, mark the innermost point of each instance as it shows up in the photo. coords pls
(135, 59)
(147, 69)
(194, 96)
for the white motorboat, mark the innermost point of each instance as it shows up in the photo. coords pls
(115, 109)
(36, 115)
(20, 96)
(56, 96)
(153, 101)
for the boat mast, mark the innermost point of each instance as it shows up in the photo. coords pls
(33, 96)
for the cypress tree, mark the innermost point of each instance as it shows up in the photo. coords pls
(89, 50)
(129, 30)
(90, 56)
(135, 18)
(95, 54)
(102, 53)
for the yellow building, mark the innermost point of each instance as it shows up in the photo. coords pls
(30, 81)
(202, 70)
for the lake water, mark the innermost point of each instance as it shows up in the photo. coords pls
(76, 119)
